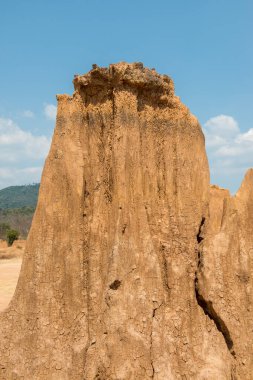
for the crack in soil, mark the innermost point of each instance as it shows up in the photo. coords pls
(207, 306)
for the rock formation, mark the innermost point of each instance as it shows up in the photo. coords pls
(225, 275)
(133, 268)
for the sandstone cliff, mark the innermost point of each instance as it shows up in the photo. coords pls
(129, 273)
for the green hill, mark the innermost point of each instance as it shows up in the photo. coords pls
(17, 206)
(19, 196)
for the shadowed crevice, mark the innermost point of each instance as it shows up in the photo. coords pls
(209, 310)
(115, 285)
(207, 306)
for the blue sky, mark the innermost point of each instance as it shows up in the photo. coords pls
(205, 46)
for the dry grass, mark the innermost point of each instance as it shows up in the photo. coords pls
(17, 249)
(10, 253)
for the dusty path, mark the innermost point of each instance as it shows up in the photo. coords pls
(9, 272)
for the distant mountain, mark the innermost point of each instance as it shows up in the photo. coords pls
(19, 196)
(17, 206)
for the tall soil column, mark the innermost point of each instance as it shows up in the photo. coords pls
(108, 284)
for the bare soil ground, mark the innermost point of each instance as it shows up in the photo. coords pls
(10, 264)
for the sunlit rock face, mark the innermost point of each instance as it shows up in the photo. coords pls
(119, 279)
(225, 277)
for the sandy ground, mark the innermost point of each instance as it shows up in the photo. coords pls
(9, 272)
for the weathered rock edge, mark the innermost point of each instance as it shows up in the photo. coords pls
(119, 279)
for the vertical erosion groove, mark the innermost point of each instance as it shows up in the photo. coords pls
(85, 256)
(151, 340)
(207, 306)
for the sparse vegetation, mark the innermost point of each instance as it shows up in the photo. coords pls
(4, 228)
(7, 233)
(17, 206)
(12, 235)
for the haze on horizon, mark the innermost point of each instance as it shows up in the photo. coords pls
(204, 46)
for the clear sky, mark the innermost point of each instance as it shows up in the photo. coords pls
(204, 45)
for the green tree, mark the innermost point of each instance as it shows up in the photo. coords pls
(12, 235)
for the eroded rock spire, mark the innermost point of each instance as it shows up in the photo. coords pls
(108, 284)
